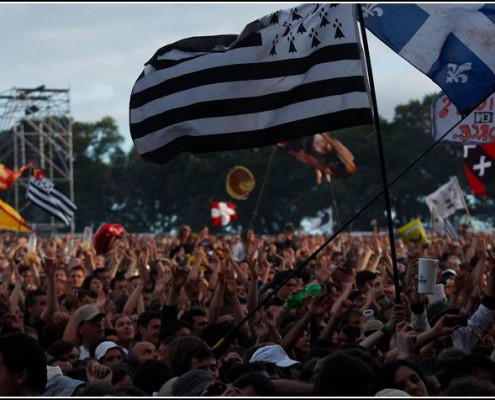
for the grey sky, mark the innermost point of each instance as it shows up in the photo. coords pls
(97, 50)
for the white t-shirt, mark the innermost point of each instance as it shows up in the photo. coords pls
(238, 252)
(83, 352)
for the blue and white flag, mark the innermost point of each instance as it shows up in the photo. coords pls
(451, 43)
(293, 73)
(323, 221)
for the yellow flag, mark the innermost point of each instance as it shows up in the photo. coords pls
(10, 219)
(413, 232)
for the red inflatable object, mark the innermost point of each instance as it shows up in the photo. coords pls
(104, 235)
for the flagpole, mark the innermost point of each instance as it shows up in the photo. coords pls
(456, 182)
(16, 240)
(335, 204)
(294, 271)
(376, 122)
(262, 189)
(342, 228)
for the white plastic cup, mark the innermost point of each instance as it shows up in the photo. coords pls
(427, 275)
(438, 294)
(368, 313)
(33, 239)
(87, 237)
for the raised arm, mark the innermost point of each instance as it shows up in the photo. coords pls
(133, 299)
(49, 265)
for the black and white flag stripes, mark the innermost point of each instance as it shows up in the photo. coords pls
(290, 74)
(42, 192)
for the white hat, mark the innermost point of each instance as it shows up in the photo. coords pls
(273, 354)
(103, 347)
(392, 393)
(449, 271)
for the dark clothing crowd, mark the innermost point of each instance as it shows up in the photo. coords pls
(196, 313)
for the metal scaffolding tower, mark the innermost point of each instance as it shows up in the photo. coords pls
(36, 126)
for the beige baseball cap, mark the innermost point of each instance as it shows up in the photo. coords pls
(86, 313)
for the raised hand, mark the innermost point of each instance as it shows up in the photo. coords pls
(49, 265)
(204, 292)
(398, 315)
(19, 279)
(261, 326)
(179, 277)
(98, 373)
(446, 325)
(406, 338)
(230, 283)
(319, 306)
(60, 317)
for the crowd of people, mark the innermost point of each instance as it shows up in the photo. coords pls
(208, 314)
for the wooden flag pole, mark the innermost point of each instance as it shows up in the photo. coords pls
(464, 202)
(378, 132)
(262, 189)
(335, 204)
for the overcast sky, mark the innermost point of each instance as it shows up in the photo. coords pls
(97, 50)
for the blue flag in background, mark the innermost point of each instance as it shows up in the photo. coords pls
(453, 44)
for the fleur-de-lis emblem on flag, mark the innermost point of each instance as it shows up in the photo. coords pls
(455, 73)
(372, 10)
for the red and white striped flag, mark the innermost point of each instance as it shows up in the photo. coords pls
(222, 213)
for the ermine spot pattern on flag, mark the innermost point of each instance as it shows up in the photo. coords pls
(451, 43)
(290, 74)
(42, 192)
(479, 166)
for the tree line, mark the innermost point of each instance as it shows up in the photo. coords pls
(112, 185)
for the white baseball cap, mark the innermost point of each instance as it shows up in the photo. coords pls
(273, 354)
(390, 392)
(103, 347)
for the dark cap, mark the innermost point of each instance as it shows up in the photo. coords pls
(281, 275)
(437, 310)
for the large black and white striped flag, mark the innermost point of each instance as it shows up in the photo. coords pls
(290, 74)
(42, 192)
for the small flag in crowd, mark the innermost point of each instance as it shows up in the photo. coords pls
(293, 73)
(449, 228)
(447, 199)
(479, 166)
(323, 221)
(477, 128)
(443, 226)
(447, 42)
(8, 177)
(222, 213)
(42, 192)
(413, 231)
(11, 220)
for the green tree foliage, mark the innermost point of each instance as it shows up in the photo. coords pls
(113, 186)
(98, 163)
